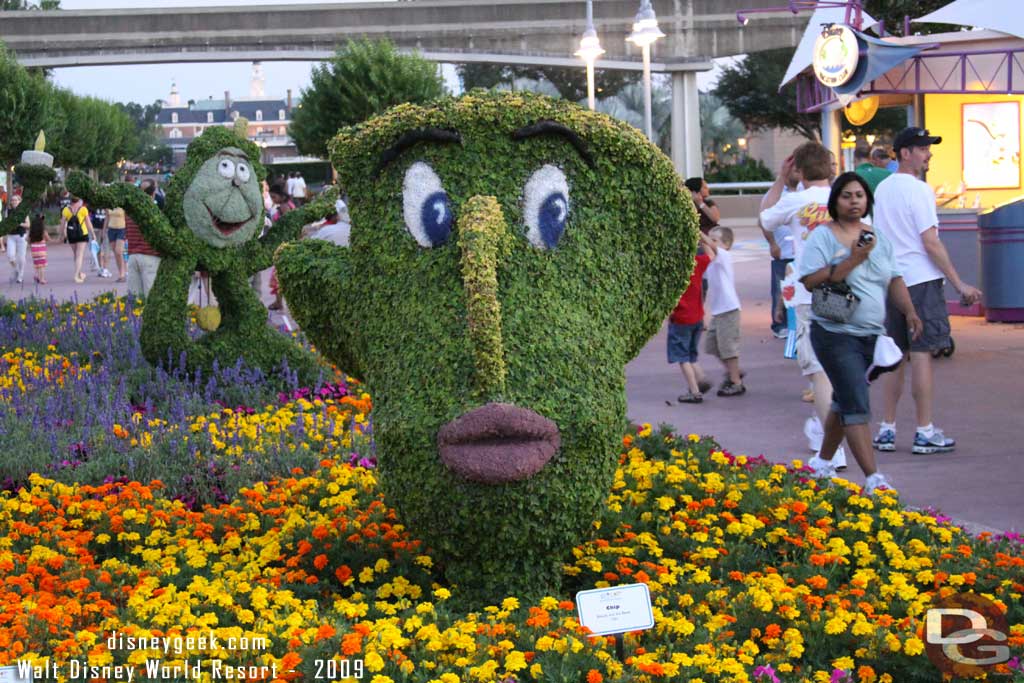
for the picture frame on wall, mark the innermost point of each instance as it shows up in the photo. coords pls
(991, 145)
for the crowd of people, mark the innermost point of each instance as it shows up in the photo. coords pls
(857, 287)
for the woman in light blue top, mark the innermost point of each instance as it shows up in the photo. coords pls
(848, 249)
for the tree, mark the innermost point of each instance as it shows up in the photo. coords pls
(14, 5)
(718, 128)
(147, 134)
(891, 13)
(364, 78)
(628, 106)
(570, 82)
(23, 108)
(750, 91)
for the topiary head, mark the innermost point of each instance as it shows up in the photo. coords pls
(509, 254)
(217, 193)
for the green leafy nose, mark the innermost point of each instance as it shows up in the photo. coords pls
(482, 240)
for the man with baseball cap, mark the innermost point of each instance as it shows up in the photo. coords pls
(905, 212)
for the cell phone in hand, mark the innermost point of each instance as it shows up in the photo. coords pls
(866, 237)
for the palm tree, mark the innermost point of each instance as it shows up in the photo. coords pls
(718, 127)
(628, 106)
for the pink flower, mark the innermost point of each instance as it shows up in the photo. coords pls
(768, 671)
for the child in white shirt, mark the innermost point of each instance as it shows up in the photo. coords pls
(723, 335)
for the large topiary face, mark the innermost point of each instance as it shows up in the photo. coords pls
(223, 204)
(509, 255)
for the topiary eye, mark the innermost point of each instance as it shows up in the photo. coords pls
(243, 171)
(546, 206)
(226, 168)
(427, 209)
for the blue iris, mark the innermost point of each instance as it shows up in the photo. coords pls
(553, 214)
(436, 215)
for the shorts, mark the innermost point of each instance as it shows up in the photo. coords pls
(683, 342)
(81, 239)
(115, 234)
(805, 355)
(723, 338)
(930, 305)
(845, 358)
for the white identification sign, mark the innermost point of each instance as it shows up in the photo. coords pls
(11, 673)
(615, 610)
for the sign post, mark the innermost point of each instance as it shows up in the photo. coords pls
(616, 610)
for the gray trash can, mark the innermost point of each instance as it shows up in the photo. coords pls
(1001, 237)
(959, 231)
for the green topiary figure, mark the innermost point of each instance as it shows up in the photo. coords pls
(33, 178)
(509, 254)
(211, 222)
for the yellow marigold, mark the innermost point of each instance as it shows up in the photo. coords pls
(373, 661)
(913, 646)
(515, 661)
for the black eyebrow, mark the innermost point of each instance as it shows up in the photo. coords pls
(546, 127)
(411, 138)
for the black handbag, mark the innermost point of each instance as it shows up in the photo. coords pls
(834, 301)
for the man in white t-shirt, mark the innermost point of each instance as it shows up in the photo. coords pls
(905, 213)
(800, 213)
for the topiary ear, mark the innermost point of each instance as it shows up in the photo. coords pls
(663, 236)
(316, 279)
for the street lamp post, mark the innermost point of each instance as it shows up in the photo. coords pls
(590, 50)
(645, 32)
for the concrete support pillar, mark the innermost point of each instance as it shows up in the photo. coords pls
(832, 131)
(686, 149)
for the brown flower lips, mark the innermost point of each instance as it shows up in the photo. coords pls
(498, 443)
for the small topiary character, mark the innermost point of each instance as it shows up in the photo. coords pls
(33, 179)
(211, 222)
(509, 254)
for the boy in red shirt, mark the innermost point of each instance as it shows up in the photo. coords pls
(685, 327)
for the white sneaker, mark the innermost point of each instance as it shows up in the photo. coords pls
(839, 459)
(814, 433)
(876, 482)
(821, 469)
(105, 273)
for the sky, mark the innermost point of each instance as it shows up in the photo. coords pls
(146, 83)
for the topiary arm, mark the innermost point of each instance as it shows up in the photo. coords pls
(137, 204)
(33, 179)
(316, 278)
(288, 228)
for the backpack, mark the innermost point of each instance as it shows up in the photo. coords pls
(76, 228)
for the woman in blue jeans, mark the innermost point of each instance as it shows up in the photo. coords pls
(849, 249)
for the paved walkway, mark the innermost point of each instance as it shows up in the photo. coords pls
(980, 398)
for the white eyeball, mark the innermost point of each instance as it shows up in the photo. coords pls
(226, 168)
(546, 206)
(426, 207)
(243, 171)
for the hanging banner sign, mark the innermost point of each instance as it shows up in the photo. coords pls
(836, 54)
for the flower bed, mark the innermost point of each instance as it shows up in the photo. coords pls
(756, 572)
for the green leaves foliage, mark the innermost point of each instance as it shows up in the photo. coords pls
(363, 79)
(23, 108)
(244, 332)
(565, 320)
(750, 90)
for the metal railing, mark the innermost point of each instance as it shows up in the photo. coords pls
(757, 187)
